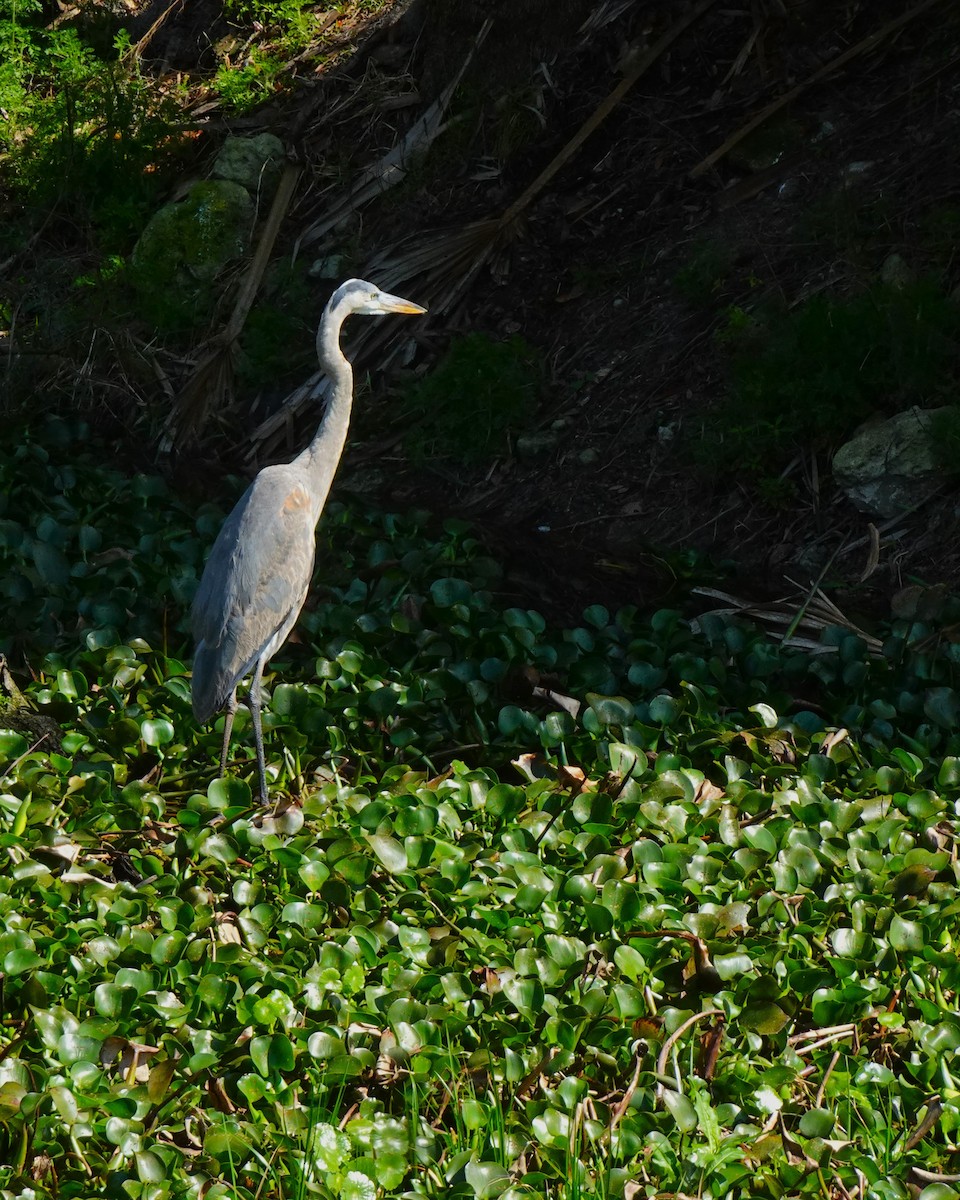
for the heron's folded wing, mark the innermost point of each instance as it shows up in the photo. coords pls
(258, 571)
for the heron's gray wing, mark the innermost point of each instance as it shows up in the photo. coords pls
(254, 582)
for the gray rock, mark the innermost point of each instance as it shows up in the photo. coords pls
(895, 272)
(889, 466)
(330, 267)
(253, 162)
(588, 456)
(529, 445)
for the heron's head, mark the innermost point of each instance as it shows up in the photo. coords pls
(358, 296)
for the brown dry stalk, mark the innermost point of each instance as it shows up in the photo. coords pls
(834, 64)
(278, 210)
(677, 1034)
(138, 48)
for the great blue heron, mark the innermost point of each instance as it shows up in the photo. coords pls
(256, 578)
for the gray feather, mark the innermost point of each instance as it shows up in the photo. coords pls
(254, 584)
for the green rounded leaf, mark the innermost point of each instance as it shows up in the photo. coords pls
(157, 731)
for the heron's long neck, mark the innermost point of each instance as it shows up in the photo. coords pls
(322, 457)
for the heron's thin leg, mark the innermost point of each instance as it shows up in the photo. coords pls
(253, 701)
(231, 712)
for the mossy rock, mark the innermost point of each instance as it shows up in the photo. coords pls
(890, 466)
(184, 248)
(253, 162)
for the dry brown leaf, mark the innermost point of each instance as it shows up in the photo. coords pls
(873, 553)
(707, 793)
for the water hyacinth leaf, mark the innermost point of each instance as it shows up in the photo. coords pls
(314, 873)
(389, 851)
(157, 731)
(448, 592)
(310, 917)
(939, 1191)
(168, 948)
(611, 710)
(71, 684)
(149, 1168)
(817, 1123)
(729, 966)
(486, 1179)
(767, 715)
(681, 1109)
(526, 995)
(664, 709)
(949, 772)
(372, 815)
(324, 1046)
(503, 800)
(52, 565)
(905, 936)
(630, 962)
(259, 1048)
(12, 744)
(221, 847)
(290, 701)
(229, 792)
(159, 1080)
(556, 727)
(849, 943)
(511, 719)
(18, 962)
(942, 705)
(874, 1073)
(764, 1017)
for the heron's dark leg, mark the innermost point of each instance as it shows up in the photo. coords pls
(253, 701)
(231, 712)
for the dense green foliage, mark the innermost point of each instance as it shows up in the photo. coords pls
(658, 925)
(809, 375)
(83, 128)
(480, 391)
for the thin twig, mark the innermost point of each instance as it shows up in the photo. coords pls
(822, 1089)
(625, 1098)
(675, 1037)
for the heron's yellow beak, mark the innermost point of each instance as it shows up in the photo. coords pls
(397, 304)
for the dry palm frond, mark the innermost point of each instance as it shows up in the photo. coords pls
(392, 167)
(797, 624)
(210, 387)
(440, 264)
(603, 14)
